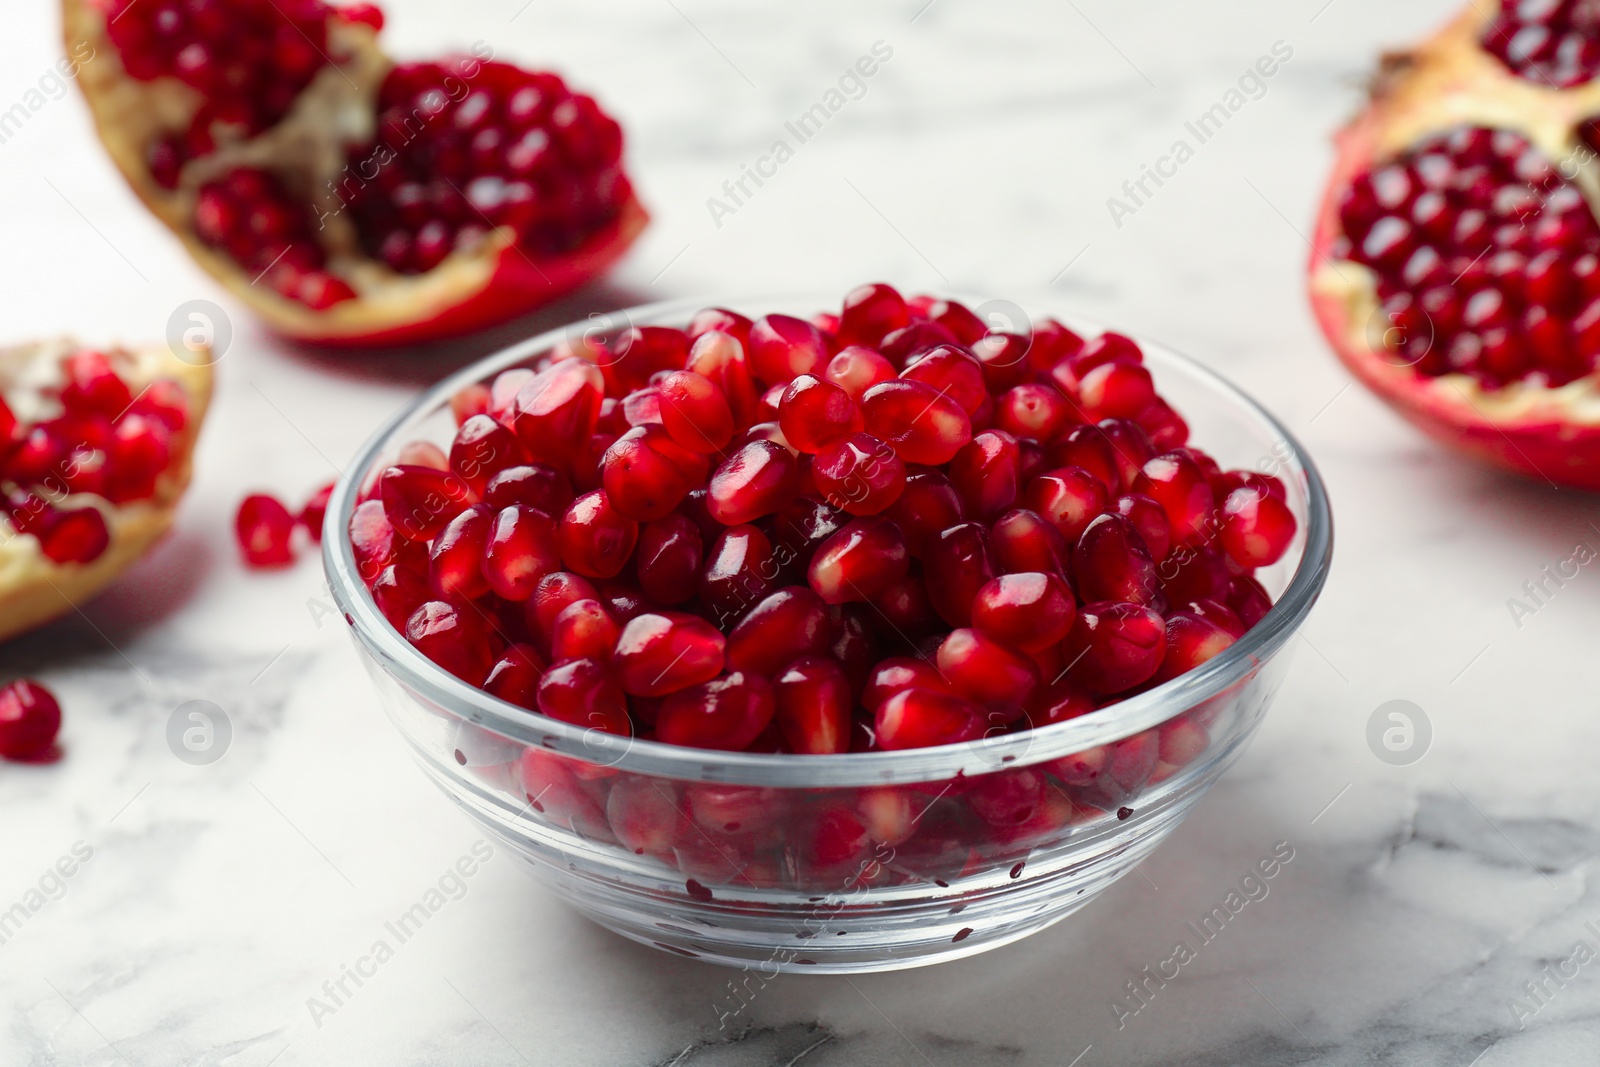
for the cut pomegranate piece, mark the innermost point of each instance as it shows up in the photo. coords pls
(1455, 259)
(95, 453)
(346, 198)
(29, 720)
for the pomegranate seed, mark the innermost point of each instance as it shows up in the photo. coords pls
(1087, 448)
(1248, 600)
(646, 816)
(921, 718)
(469, 401)
(859, 562)
(985, 671)
(452, 638)
(550, 597)
(1191, 641)
(1115, 646)
(264, 529)
(165, 401)
(419, 500)
(1006, 799)
(455, 558)
(583, 630)
(721, 320)
(1257, 529)
(1177, 483)
(951, 372)
(1062, 700)
(1112, 563)
(814, 414)
(640, 477)
(668, 561)
(1051, 344)
(859, 474)
(720, 358)
(986, 472)
(1029, 611)
(515, 676)
(30, 717)
(372, 539)
(595, 538)
(921, 424)
(907, 608)
(726, 713)
(658, 654)
(754, 481)
(1032, 410)
(733, 809)
(783, 347)
(92, 386)
(695, 412)
(1150, 519)
(960, 557)
(870, 312)
(1215, 611)
(928, 506)
(785, 626)
(557, 409)
(483, 448)
(1025, 541)
(534, 486)
(315, 510)
(1116, 390)
(897, 674)
(1194, 574)
(140, 451)
(740, 571)
(398, 591)
(578, 691)
(423, 454)
(856, 369)
(520, 547)
(855, 646)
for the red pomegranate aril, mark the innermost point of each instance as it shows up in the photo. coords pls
(726, 713)
(483, 448)
(1191, 641)
(72, 535)
(1131, 447)
(1029, 611)
(1111, 562)
(899, 346)
(639, 408)
(1248, 600)
(921, 718)
(315, 511)
(550, 597)
(1215, 611)
(720, 320)
(870, 312)
(740, 570)
(695, 412)
(720, 358)
(986, 671)
(580, 692)
(856, 369)
(1070, 498)
(503, 394)
(1116, 390)
(583, 630)
(646, 817)
(859, 474)
(585, 464)
(860, 561)
(813, 414)
(469, 401)
(986, 472)
(927, 506)
(1164, 426)
(531, 485)
(398, 591)
(786, 625)
(30, 718)
(897, 674)
(642, 351)
(1177, 483)
(265, 531)
(420, 500)
(669, 558)
(520, 548)
(1087, 448)
(783, 347)
(1257, 528)
(1193, 573)
(1023, 540)
(657, 654)
(516, 675)
(1115, 646)
(754, 481)
(639, 475)
(918, 422)
(557, 409)
(453, 638)
(140, 450)
(625, 602)
(1150, 519)
(595, 539)
(455, 559)
(813, 703)
(372, 539)
(1057, 702)
(1032, 410)
(1004, 357)
(961, 559)
(907, 609)
(855, 641)
(950, 372)
(92, 386)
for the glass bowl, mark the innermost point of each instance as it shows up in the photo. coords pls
(857, 862)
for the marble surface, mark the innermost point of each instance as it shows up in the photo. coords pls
(215, 900)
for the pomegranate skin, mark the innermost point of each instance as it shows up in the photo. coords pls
(1544, 434)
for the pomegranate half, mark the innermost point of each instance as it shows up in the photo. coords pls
(347, 198)
(1456, 262)
(95, 452)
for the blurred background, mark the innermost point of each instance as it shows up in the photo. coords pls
(981, 158)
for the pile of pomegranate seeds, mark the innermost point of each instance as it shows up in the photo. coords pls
(1553, 42)
(247, 214)
(29, 720)
(100, 439)
(885, 528)
(517, 149)
(265, 528)
(1488, 261)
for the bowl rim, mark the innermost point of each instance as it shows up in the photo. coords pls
(426, 679)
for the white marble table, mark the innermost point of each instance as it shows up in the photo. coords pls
(1420, 899)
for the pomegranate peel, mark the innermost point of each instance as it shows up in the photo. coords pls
(35, 589)
(1530, 423)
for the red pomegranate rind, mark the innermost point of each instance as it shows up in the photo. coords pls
(725, 587)
(1450, 84)
(479, 192)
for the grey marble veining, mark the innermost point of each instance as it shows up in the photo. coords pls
(1421, 902)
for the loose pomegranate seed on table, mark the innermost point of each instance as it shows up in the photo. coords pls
(880, 530)
(29, 720)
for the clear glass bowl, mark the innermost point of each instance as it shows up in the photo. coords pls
(753, 860)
